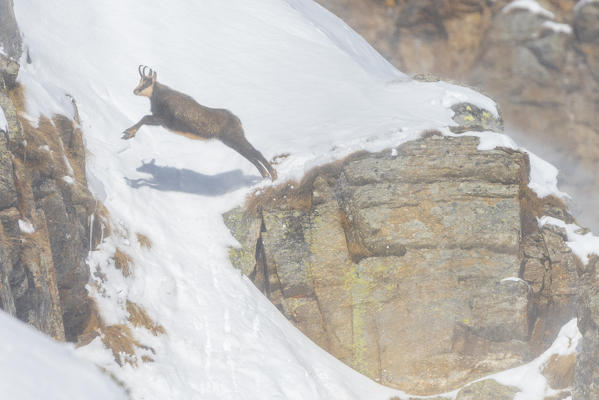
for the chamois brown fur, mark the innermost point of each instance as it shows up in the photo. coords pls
(182, 115)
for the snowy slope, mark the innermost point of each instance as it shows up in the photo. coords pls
(33, 367)
(302, 83)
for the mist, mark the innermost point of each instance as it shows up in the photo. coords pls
(575, 178)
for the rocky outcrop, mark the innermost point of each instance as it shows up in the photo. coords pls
(541, 67)
(45, 208)
(45, 225)
(472, 118)
(586, 372)
(10, 38)
(487, 389)
(422, 267)
(550, 268)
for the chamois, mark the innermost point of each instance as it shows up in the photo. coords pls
(182, 115)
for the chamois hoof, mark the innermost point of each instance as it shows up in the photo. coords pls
(127, 135)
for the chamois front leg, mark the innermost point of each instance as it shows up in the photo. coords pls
(146, 120)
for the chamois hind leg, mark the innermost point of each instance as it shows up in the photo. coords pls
(256, 162)
(271, 170)
(243, 147)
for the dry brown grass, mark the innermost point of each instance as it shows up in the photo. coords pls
(117, 381)
(25, 200)
(94, 323)
(102, 212)
(51, 133)
(278, 158)
(4, 241)
(101, 225)
(357, 250)
(147, 359)
(144, 241)
(118, 338)
(265, 198)
(122, 262)
(28, 155)
(533, 207)
(47, 163)
(295, 195)
(17, 95)
(559, 371)
(430, 133)
(140, 318)
(120, 341)
(74, 149)
(60, 134)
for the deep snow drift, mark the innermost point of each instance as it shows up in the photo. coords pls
(302, 83)
(33, 366)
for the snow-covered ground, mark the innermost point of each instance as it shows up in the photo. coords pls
(302, 82)
(3, 121)
(582, 243)
(33, 367)
(528, 5)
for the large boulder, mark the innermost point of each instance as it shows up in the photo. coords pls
(422, 267)
(487, 389)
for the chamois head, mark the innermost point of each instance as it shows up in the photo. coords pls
(145, 87)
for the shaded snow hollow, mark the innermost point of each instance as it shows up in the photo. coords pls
(303, 83)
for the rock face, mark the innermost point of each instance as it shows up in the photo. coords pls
(586, 372)
(423, 268)
(45, 208)
(541, 67)
(10, 38)
(487, 390)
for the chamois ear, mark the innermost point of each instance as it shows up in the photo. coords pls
(154, 75)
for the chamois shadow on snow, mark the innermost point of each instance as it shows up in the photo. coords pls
(183, 180)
